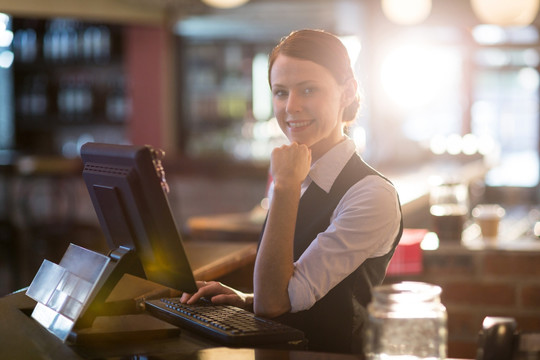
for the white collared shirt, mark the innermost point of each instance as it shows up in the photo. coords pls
(363, 225)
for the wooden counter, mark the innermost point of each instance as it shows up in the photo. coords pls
(237, 227)
(211, 260)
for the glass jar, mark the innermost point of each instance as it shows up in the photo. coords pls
(406, 321)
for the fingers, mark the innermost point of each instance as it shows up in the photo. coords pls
(216, 292)
(192, 298)
(184, 298)
(290, 163)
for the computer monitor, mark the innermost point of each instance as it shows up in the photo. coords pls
(125, 184)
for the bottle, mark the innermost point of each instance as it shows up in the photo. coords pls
(406, 321)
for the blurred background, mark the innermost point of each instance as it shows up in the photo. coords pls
(450, 95)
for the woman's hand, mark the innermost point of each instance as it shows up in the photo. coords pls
(219, 294)
(290, 164)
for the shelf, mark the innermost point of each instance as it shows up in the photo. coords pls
(68, 75)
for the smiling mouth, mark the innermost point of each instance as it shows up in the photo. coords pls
(299, 124)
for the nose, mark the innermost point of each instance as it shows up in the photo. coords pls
(294, 103)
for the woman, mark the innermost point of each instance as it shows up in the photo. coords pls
(333, 222)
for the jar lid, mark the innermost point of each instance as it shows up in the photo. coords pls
(407, 291)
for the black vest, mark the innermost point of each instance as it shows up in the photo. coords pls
(335, 322)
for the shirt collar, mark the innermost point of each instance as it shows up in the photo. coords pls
(325, 170)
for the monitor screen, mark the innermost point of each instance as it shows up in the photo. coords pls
(126, 185)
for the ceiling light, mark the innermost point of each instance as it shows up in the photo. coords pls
(406, 12)
(506, 13)
(225, 4)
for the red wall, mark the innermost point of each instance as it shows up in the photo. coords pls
(147, 57)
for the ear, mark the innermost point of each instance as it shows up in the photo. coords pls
(349, 92)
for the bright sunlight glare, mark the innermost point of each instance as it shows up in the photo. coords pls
(414, 75)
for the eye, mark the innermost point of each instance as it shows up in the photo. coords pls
(309, 90)
(280, 93)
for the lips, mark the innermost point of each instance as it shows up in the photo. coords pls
(299, 124)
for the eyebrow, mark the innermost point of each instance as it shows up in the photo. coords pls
(302, 83)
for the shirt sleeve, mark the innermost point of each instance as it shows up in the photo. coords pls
(363, 225)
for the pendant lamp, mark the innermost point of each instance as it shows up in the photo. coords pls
(506, 12)
(406, 12)
(224, 4)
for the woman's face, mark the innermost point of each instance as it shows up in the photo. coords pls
(307, 103)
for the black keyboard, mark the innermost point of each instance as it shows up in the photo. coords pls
(224, 323)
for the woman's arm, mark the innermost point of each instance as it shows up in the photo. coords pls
(274, 264)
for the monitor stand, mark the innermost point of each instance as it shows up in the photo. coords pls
(85, 286)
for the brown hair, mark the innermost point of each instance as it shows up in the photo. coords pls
(324, 49)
